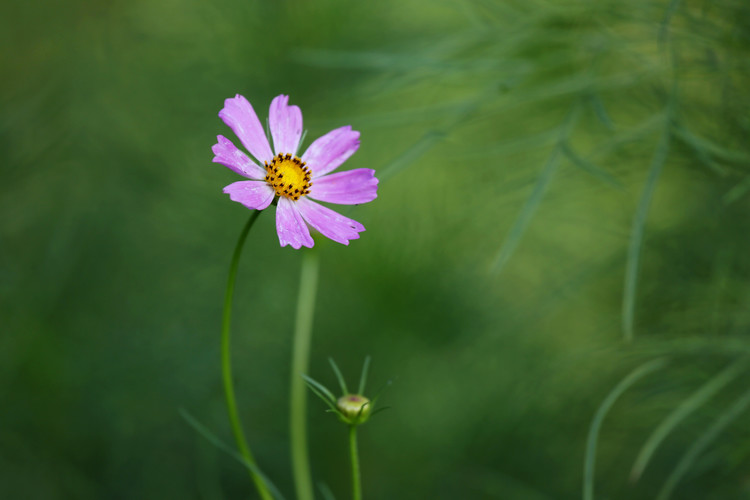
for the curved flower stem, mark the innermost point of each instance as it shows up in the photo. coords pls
(226, 363)
(356, 479)
(308, 287)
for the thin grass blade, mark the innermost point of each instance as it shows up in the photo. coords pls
(211, 438)
(534, 200)
(710, 147)
(636, 235)
(596, 424)
(432, 137)
(688, 406)
(701, 444)
(737, 191)
(527, 212)
(412, 154)
(589, 167)
(601, 111)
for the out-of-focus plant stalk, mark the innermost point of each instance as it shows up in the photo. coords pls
(300, 361)
(226, 363)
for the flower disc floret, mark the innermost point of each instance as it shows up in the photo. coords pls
(289, 176)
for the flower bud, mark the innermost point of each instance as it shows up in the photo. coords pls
(355, 409)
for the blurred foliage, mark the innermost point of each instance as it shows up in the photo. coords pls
(555, 177)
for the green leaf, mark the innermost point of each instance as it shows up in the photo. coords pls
(601, 111)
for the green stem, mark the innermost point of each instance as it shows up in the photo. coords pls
(308, 287)
(226, 364)
(356, 479)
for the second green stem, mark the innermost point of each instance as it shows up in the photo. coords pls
(308, 287)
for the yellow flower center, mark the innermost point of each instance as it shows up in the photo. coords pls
(288, 176)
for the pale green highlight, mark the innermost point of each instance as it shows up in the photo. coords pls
(308, 287)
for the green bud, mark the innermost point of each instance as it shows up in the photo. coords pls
(355, 409)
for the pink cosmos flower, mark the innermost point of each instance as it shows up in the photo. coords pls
(294, 180)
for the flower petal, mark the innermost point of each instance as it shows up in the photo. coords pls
(329, 223)
(240, 116)
(253, 194)
(290, 225)
(346, 188)
(331, 150)
(286, 125)
(228, 155)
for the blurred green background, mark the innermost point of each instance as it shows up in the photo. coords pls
(555, 176)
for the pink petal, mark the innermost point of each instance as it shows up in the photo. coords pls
(240, 116)
(290, 226)
(286, 125)
(253, 194)
(346, 188)
(329, 223)
(331, 150)
(228, 155)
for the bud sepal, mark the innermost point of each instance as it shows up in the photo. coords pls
(352, 408)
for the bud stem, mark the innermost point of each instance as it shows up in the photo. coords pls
(356, 480)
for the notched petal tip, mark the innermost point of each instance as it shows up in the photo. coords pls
(231, 102)
(290, 226)
(221, 142)
(297, 245)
